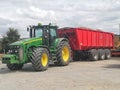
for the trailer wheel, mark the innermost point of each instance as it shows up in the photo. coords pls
(76, 56)
(63, 54)
(93, 55)
(107, 54)
(101, 54)
(40, 59)
(15, 66)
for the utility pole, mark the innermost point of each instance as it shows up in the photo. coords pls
(119, 32)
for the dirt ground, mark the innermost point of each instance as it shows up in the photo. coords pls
(81, 75)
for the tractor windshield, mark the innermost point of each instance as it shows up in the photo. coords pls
(38, 32)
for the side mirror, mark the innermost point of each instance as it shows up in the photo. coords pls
(27, 29)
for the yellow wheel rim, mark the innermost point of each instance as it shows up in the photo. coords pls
(44, 59)
(65, 53)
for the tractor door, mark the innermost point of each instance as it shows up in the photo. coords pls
(49, 36)
(53, 35)
(46, 37)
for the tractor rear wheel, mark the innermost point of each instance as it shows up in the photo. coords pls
(15, 66)
(40, 59)
(63, 54)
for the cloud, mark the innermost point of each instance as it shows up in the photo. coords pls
(35, 13)
(102, 14)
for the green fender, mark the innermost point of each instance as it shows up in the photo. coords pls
(58, 40)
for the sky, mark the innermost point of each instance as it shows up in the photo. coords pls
(96, 14)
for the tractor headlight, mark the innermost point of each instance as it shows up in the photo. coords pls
(20, 54)
(10, 51)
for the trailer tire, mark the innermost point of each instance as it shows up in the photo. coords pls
(93, 55)
(101, 54)
(15, 66)
(76, 56)
(63, 54)
(107, 54)
(40, 59)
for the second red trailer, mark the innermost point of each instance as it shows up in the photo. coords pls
(88, 43)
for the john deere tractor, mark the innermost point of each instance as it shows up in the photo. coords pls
(42, 46)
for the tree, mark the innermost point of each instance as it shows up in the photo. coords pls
(0, 46)
(11, 36)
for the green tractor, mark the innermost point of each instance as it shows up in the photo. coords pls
(42, 46)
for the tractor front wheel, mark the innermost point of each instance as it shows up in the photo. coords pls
(63, 54)
(40, 59)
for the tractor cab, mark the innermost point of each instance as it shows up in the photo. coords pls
(48, 33)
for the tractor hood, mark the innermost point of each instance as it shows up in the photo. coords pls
(26, 41)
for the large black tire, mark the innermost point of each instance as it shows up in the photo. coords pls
(101, 54)
(93, 55)
(15, 66)
(107, 54)
(40, 59)
(63, 54)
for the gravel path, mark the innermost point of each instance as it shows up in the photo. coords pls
(81, 75)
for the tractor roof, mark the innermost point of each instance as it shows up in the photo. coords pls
(43, 26)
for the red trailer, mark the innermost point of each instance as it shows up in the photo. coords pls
(87, 43)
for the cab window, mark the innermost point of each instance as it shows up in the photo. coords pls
(53, 32)
(38, 33)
